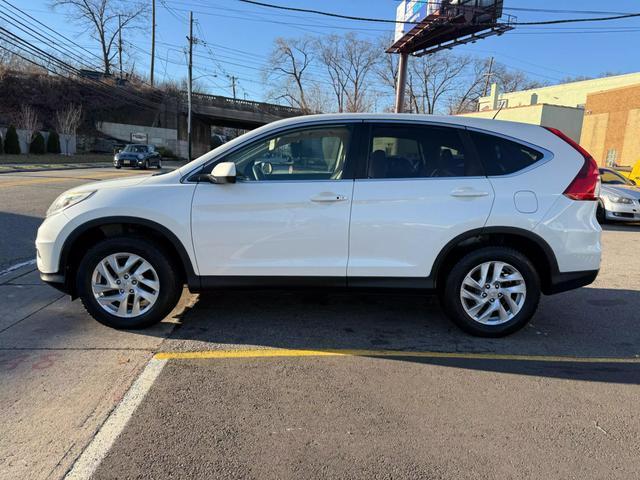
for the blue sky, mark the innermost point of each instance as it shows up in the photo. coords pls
(239, 37)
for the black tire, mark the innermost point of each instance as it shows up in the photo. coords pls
(168, 276)
(159, 166)
(452, 304)
(601, 214)
(145, 165)
(118, 167)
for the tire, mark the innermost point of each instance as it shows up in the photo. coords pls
(159, 166)
(118, 167)
(504, 319)
(601, 214)
(162, 273)
(145, 165)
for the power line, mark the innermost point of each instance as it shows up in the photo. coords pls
(537, 10)
(386, 20)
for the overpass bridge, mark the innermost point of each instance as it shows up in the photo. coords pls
(235, 113)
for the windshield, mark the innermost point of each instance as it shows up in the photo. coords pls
(609, 177)
(136, 148)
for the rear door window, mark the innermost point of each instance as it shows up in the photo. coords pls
(501, 156)
(417, 151)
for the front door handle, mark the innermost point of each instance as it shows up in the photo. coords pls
(328, 198)
(468, 193)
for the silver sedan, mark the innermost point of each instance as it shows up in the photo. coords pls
(619, 198)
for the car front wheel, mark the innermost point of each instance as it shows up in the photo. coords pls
(127, 282)
(492, 292)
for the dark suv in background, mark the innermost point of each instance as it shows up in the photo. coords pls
(136, 155)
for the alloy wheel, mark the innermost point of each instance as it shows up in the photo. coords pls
(493, 293)
(125, 285)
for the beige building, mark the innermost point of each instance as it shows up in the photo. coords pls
(559, 106)
(611, 127)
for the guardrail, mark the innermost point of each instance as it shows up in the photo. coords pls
(245, 105)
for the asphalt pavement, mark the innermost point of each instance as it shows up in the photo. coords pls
(286, 385)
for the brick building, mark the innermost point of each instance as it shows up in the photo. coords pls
(611, 126)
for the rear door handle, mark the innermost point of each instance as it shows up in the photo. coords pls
(468, 193)
(328, 198)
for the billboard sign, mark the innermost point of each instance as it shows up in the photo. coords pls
(427, 23)
(413, 12)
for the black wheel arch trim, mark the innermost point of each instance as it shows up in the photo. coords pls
(478, 232)
(192, 279)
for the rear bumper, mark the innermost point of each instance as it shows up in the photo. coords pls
(565, 281)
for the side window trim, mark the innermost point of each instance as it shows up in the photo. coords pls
(368, 126)
(547, 155)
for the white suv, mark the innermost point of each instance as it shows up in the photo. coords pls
(488, 214)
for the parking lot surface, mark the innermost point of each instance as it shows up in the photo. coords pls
(311, 385)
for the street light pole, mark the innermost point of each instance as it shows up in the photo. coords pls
(189, 86)
(153, 37)
(120, 44)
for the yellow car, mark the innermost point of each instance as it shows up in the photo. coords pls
(633, 174)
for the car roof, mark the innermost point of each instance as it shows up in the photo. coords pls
(415, 117)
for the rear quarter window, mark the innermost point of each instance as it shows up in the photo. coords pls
(501, 156)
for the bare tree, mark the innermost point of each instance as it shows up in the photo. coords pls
(513, 80)
(349, 62)
(360, 58)
(105, 19)
(67, 122)
(290, 60)
(465, 99)
(28, 121)
(330, 53)
(387, 71)
(436, 78)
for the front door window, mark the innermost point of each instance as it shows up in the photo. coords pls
(309, 154)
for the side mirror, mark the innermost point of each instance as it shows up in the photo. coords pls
(224, 172)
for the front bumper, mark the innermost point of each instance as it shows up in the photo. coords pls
(621, 212)
(127, 162)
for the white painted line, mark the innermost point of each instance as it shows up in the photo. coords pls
(15, 267)
(85, 466)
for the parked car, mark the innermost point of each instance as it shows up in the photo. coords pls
(619, 198)
(137, 155)
(632, 173)
(487, 214)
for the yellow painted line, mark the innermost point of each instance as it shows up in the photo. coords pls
(273, 352)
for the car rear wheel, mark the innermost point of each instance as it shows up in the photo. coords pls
(491, 292)
(127, 282)
(601, 214)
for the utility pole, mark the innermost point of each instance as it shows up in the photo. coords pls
(153, 37)
(233, 85)
(486, 85)
(401, 82)
(120, 44)
(189, 86)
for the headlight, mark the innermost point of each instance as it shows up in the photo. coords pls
(66, 200)
(619, 199)
(140, 156)
(116, 157)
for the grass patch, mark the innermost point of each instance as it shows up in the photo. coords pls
(54, 159)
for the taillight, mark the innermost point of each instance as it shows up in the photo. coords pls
(584, 186)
